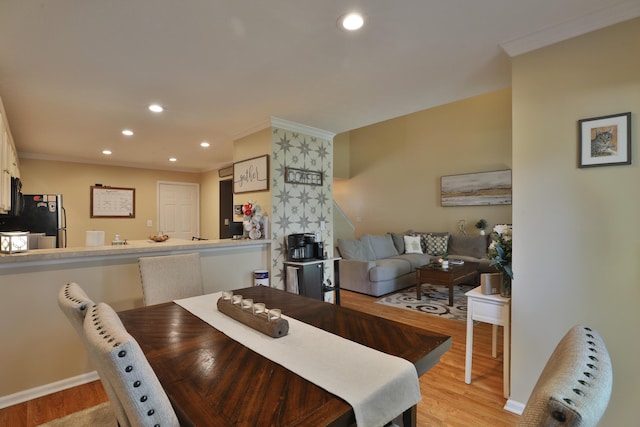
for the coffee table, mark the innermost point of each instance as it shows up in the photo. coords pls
(455, 274)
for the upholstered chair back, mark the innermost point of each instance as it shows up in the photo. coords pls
(170, 277)
(127, 369)
(75, 304)
(575, 385)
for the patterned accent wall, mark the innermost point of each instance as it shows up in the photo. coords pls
(299, 208)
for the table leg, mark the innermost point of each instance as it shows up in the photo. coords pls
(469, 348)
(494, 341)
(410, 417)
(418, 287)
(450, 294)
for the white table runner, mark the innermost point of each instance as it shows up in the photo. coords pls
(378, 386)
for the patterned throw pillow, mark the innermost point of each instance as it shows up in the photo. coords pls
(437, 245)
(412, 245)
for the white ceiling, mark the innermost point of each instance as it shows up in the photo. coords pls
(74, 73)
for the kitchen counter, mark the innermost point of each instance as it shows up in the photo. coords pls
(41, 340)
(133, 247)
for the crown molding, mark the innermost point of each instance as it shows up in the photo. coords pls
(297, 127)
(257, 127)
(573, 28)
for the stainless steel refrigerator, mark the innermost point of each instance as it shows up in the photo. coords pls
(39, 213)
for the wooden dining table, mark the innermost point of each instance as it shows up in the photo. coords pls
(212, 380)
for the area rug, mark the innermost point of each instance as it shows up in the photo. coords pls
(434, 301)
(97, 416)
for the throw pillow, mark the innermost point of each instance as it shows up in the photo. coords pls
(382, 245)
(356, 249)
(437, 245)
(412, 245)
(398, 241)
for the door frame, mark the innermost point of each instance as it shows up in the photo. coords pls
(188, 184)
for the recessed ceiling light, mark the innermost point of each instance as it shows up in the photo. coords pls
(127, 132)
(106, 152)
(204, 144)
(156, 108)
(351, 21)
(173, 159)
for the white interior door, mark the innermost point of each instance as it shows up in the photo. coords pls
(179, 209)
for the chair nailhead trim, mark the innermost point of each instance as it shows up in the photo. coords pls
(143, 398)
(122, 353)
(569, 401)
(151, 412)
(128, 368)
(137, 384)
(558, 416)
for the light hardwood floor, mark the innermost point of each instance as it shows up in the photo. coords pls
(446, 399)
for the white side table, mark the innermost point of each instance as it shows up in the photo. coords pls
(492, 309)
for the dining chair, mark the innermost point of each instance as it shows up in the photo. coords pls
(169, 277)
(74, 303)
(126, 368)
(575, 385)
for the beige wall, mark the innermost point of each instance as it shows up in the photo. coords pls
(576, 237)
(73, 181)
(396, 165)
(341, 156)
(210, 205)
(254, 145)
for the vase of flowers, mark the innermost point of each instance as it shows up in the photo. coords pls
(252, 219)
(499, 252)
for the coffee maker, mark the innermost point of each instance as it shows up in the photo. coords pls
(301, 247)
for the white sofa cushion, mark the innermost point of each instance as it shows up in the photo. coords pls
(388, 269)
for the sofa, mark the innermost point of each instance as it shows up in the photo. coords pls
(380, 264)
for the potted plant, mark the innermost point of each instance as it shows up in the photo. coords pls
(481, 225)
(444, 260)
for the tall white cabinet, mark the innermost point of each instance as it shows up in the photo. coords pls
(8, 162)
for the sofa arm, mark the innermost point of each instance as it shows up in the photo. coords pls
(355, 271)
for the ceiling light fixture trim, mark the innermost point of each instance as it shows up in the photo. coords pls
(352, 21)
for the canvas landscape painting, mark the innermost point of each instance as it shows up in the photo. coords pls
(476, 189)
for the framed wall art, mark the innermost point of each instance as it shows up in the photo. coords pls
(301, 176)
(113, 202)
(251, 175)
(604, 141)
(476, 189)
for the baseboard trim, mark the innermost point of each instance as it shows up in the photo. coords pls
(33, 393)
(515, 407)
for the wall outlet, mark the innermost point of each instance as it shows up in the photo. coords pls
(149, 223)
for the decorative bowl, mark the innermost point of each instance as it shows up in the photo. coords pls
(159, 238)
